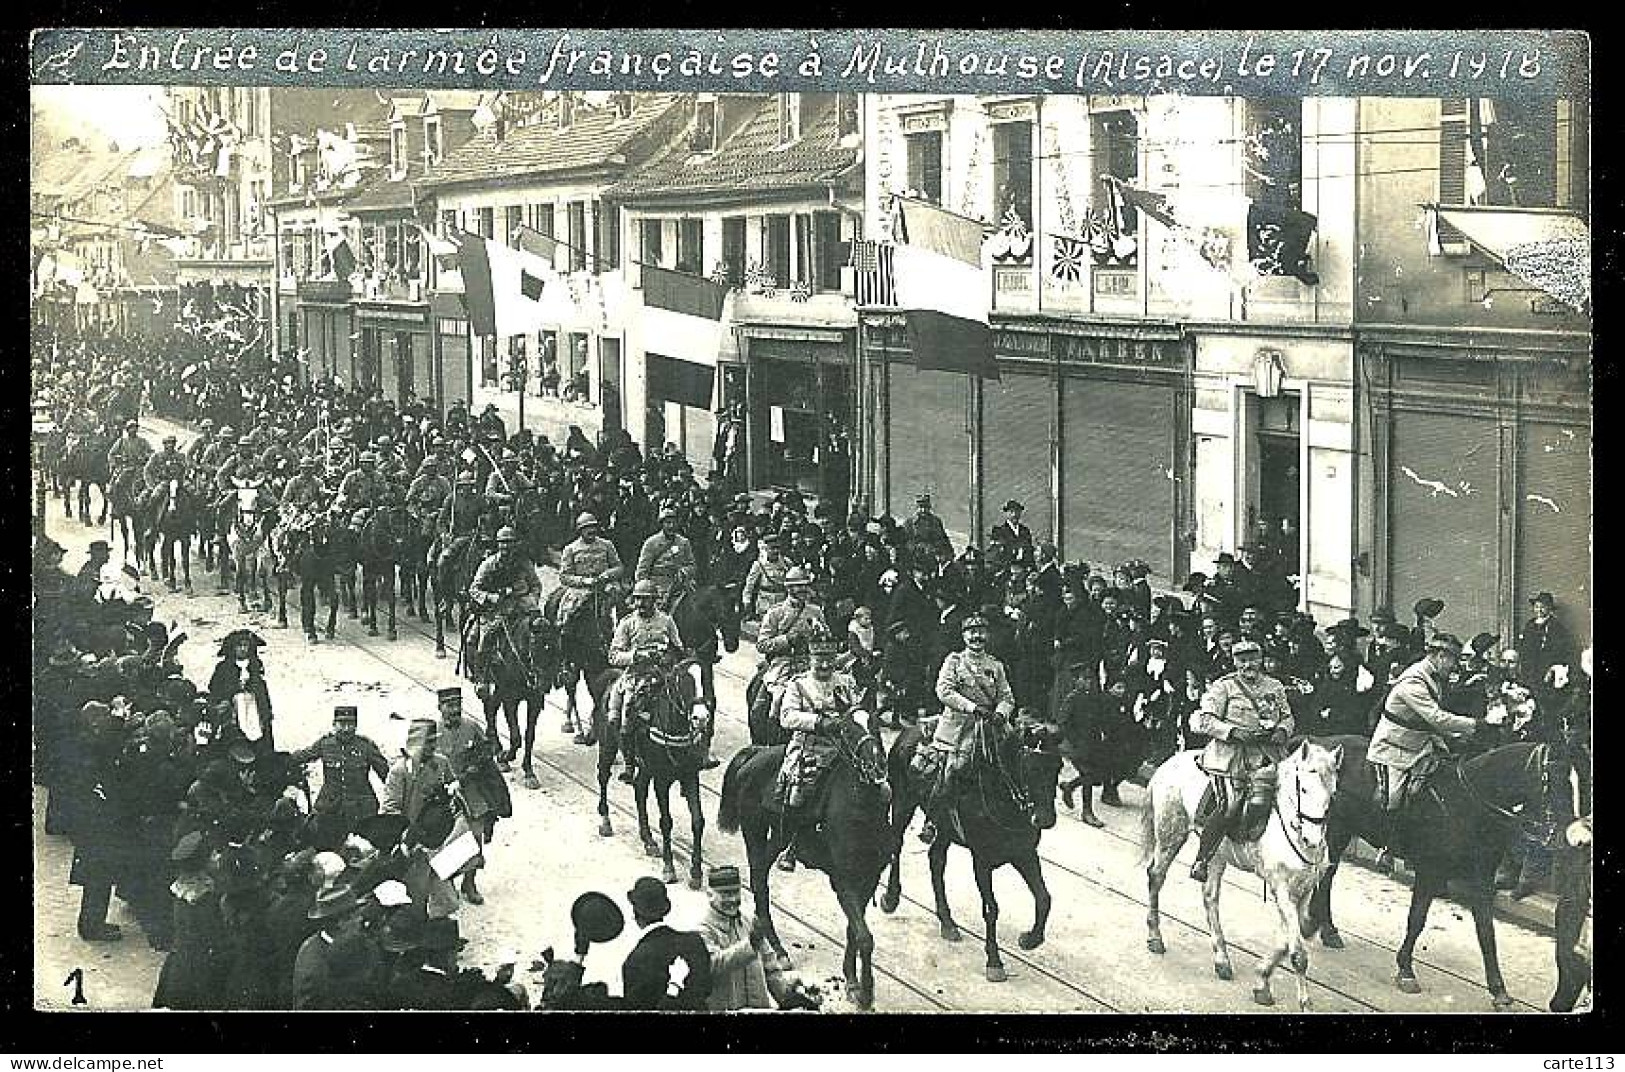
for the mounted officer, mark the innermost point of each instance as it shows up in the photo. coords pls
(427, 494)
(505, 588)
(365, 486)
(587, 564)
(764, 583)
(242, 465)
(972, 687)
(505, 484)
(166, 465)
(667, 558)
(788, 629)
(460, 515)
(645, 644)
(813, 709)
(213, 454)
(129, 451)
(205, 437)
(1247, 719)
(306, 489)
(1409, 742)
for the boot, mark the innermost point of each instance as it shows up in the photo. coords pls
(1109, 797)
(471, 892)
(792, 822)
(628, 762)
(1211, 837)
(1086, 812)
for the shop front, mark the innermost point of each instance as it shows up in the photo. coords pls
(1483, 479)
(795, 396)
(397, 340)
(453, 363)
(323, 329)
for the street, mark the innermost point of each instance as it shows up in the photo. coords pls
(1094, 960)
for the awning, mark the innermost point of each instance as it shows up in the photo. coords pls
(1550, 248)
(675, 380)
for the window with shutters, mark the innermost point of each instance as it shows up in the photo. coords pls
(704, 136)
(1272, 150)
(512, 218)
(649, 242)
(434, 147)
(925, 165)
(541, 218)
(846, 114)
(577, 213)
(607, 217)
(776, 249)
(828, 254)
(733, 249)
(397, 150)
(1013, 171)
(690, 246)
(487, 222)
(802, 270)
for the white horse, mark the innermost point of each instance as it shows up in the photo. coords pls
(1290, 855)
(246, 540)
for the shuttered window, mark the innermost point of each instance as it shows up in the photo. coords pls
(1115, 477)
(929, 448)
(1554, 521)
(1443, 513)
(1017, 414)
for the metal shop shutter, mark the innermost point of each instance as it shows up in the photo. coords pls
(1017, 415)
(1443, 512)
(1554, 522)
(929, 448)
(1116, 483)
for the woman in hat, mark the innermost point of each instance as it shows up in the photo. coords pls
(195, 970)
(239, 682)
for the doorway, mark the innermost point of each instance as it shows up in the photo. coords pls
(1275, 513)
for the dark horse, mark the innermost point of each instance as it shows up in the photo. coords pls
(84, 462)
(1457, 828)
(670, 749)
(382, 546)
(584, 656)
(125, 494)
(703, 616)
(848, 838)
(451, 572)
(299, 545)
(169, 519)
(988, 820)
(524, 661)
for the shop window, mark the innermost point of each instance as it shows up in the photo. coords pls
(1272, 150)
(690, 246)
(925, 165)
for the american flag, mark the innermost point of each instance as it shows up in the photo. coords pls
(872, 262)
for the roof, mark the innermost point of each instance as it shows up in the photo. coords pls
(454, 100)
(406, 107)
(596, 137)
(72, 175)
(384, 194)
(750, 160)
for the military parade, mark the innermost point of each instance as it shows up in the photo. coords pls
(895, 674)
(562, 550)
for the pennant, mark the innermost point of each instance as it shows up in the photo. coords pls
(531, 286)
(536, 243)
(1154, 205)
(341, 261)
(944, 291)
(1278, 242)
(872, 264)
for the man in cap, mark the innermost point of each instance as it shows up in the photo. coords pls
(764, 584)
(472, 757)
(347, 758)
(788, 627)
(129, 451)
(814, 709)
(1014, 538)
(972, 687)
(1247, 720)
(1410, 740)
(667, 557)
(925, 528)
(505, 589)
(650, 977)
(335, 967)
(745, 972)
(586, 565)
(365, 487)
(644, 645)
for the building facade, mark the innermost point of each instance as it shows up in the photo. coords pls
(764, 193)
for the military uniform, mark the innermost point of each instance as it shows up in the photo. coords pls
(784, 634)
(805, 702)
(460, 513)
(128, 451)
(504, 587)
(1247, 726)
(235, 467)
(968, 682)
(1411, 732)
(361, 489)
(926, 528)
(164, 466)
(663, 557)
(582, 563)
(346, 796)
(635, 632)
(427, 494)
(305, 489)
(764, 582)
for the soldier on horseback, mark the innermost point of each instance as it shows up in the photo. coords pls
(1247, 719)
(505, 588)
(164, 466)
(306, 490)
(213, 454)
(645, 645)
(585, 566)
(129, 452)
(973, 688)
(815, 708)
(1409, 743)
(427, 494)
(667, 557)
(460, 516)
(786, 631)
(205, 439)
(363, 487)
(239, 466)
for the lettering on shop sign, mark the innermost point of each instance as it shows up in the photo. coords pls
(1115, 351)
(1021, 344)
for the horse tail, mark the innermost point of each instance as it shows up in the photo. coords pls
(732, 790)
(1148, 823)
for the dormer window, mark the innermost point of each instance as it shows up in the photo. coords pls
(433, 147)
(623, 105)
(567, 110)
(397, 150)
(846, 115)
(704, 138)
(789, 117)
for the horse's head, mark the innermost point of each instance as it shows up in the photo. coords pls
(727, 614)
(1306, 782)
(247, 493)
(544, 636)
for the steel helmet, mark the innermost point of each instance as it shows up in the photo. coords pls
(645, 588)
(506, 534)
(586, 520)
(795, 575)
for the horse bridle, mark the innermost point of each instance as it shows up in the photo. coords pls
(1289, 827)
(1541, 753)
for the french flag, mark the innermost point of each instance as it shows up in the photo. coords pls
(943, 290)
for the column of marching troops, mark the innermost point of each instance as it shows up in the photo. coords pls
(1118, 668)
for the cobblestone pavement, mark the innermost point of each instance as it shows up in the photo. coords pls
(549, 852)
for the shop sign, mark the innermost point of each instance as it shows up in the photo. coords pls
(1116, 351)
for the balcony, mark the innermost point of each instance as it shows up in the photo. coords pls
(329, 291)
(392, 290)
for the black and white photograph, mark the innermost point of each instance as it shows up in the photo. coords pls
(980, 523)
